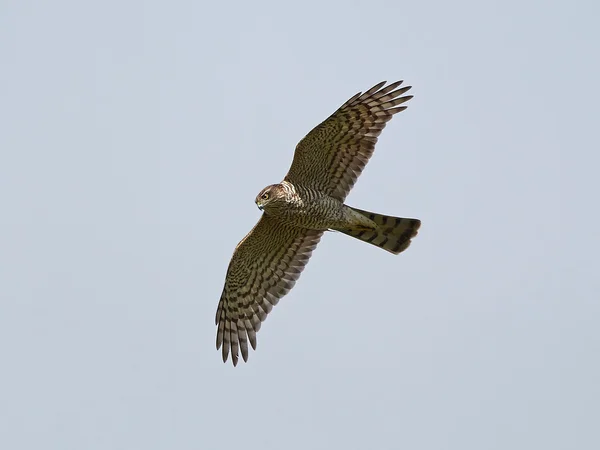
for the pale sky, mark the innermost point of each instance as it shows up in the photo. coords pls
(135, 137)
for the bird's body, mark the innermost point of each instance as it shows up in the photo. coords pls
(307, 208)
(297, 211)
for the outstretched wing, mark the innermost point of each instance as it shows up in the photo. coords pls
(265, 266)
(332, 156)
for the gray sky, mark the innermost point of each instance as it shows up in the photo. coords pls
(134, 139)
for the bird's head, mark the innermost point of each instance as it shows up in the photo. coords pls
(271, 199)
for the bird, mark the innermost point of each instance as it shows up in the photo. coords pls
(296, 212)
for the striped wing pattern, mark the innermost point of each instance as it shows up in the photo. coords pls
(332, 156)
(265, 266)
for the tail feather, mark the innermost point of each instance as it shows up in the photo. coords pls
(392, 233)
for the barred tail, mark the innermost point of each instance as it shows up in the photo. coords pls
(392, 233)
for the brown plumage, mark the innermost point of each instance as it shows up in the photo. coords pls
(309, 201)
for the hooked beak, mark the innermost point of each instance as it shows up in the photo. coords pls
(260, 206)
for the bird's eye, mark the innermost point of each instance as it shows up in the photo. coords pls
(265, 196)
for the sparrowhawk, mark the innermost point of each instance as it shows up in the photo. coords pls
(296, 212)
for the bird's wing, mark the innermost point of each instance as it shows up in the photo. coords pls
(265, 266)
(332, 156)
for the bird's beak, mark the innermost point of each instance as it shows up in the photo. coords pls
(260, 206)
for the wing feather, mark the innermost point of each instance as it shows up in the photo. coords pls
(333, 155)
(265, 266)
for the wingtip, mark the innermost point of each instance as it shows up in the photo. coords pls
(377, 86)
(225, 355)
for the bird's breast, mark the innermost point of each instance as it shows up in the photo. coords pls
(320, 213)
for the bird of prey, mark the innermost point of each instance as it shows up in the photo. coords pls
(296, 212)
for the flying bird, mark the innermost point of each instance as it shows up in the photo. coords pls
(296, 212)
